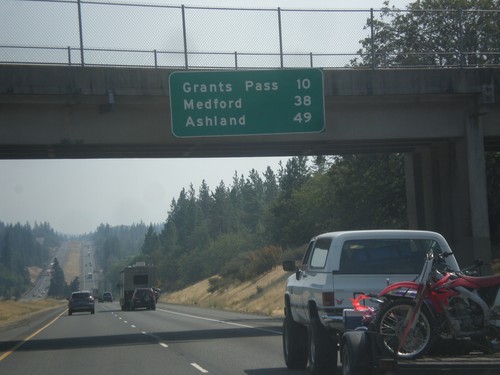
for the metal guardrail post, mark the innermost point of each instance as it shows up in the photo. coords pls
(80, 29)
(280, 37)
(184, 36)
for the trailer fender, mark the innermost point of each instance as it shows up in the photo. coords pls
(355, 353)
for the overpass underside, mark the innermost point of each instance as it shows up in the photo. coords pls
(443, 120)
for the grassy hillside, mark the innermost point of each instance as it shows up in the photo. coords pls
(262, 295)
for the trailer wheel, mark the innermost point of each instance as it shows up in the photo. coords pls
(355, 353)
(294, 344)
(322, 349)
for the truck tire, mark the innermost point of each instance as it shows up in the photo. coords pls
(355, 353)
(322, 349)
(294, 344)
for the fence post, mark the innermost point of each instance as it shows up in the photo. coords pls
(156, 59)
(185, 37)
(311, 58)
(80, 27)
(280, 37)
(69, 55)
(461, 36)
(372, 39)
(236, 60)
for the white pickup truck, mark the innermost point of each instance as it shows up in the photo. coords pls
(337, 267)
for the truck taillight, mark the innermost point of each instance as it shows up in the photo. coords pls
(328, 298)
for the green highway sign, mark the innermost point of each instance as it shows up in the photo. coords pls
(253, 102)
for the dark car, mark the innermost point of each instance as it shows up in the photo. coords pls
(81, 301)
(107, 297)
(143, 297)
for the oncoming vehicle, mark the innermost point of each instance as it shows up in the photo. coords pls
(143, 297)
(107, 297)
(81, 301)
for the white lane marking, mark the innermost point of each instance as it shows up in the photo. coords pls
(199, 368)
(144, 333)
(220, 321)
(132, 326)
(125, 321)
(163, 344)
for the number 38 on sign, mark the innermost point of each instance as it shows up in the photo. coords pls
(252, 102)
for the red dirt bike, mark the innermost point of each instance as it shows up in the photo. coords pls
(439, 304)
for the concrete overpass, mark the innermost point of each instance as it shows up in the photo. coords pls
(441, 119)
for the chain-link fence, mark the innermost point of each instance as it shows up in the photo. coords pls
(90, 33)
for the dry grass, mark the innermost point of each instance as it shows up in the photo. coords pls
(14, 311)
(263, 295)
(71, 267)
(34, 272)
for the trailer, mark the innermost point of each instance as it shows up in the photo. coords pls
(360, 354)
(139, 275)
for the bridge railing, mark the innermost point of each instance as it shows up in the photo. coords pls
(90, 33)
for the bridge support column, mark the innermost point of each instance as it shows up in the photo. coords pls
(446, 192)
(481, 242)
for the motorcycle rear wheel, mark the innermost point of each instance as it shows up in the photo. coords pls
(390, 325)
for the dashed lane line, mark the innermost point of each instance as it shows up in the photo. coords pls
(199, 368)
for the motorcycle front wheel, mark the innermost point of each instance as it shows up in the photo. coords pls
(390, 325)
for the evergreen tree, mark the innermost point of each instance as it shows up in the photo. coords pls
(57, 288)
(434, 33)
(74, 286)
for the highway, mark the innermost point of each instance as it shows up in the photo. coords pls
(169, 340)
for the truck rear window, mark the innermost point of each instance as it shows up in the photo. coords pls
(385, 256)
(140, 279)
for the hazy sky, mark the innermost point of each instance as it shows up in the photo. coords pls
(75, 196)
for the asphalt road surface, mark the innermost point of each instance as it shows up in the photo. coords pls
(170, 340)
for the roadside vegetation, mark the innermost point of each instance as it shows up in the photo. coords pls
(12, 312)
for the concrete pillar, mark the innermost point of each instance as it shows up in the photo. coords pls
(481, 242)
(411, 190)
(443, 196)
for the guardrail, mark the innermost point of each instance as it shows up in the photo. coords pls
(89, 33)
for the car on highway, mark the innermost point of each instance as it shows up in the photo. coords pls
(107, 297)
(81, 301)
(143, 297)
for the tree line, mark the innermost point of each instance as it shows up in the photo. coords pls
(244, 229)
(23, 246)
